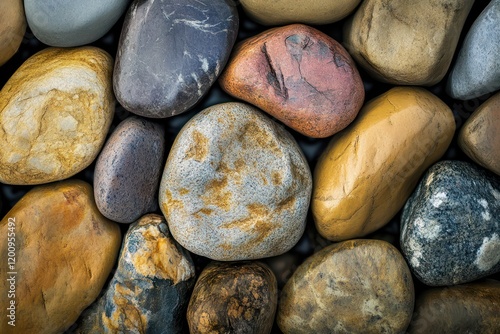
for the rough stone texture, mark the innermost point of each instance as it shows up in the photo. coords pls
(128, 170)
(299, 75)
(12, 28)
(357, 286)
(65, 250)
(55, 112)
(406, 42)
(477, 69)
(451, 225)
(171, 52)
(235, 186)
(292, 11)
(72, 23)
(150, 290)
(369, 170)
(470, 308)
(233, 298)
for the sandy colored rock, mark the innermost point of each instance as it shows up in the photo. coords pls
(65, 250)
(299, 75)
(55, 112)
(406, 42)
(357, 286)
(369, 170)
(12, 28)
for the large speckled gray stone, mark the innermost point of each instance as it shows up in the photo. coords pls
(236, 185)
(451, 225)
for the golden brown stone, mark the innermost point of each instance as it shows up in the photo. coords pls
(12, 28)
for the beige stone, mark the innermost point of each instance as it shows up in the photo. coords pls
(12, 28)
(55, 112)
(406, 42)
(369, 170)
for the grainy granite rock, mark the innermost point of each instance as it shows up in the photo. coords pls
(150, 289)
(235, 186)
(370, 169)
(12, 28)
(171, 52)
(450, 230)
(65, 250)
(233, 298)
(128, 170)
(357, 286)
(55, 112)
(406, 42)
(299, 75)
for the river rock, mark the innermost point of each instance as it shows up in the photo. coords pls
(356, 286)
(55, 112)
(65, 250)
(233, 298)
(235, 186)
(451, 225)
(369, 170)
(406, 42)
(299, 75)
(12, 28)
(171, 52)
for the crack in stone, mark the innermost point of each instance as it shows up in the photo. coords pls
(275, 78)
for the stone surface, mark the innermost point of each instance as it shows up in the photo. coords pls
(299, 75)
(450, 230)
(470, 308)
(65, 250)
(128, 170)
(12, 28)
(72, 23)
(55, 112)
(480, 135)
(369, 170)
(357, 286)
(171, 52)
(477, 69)
(406, 42)
(150, 289)
(233, 298)
(235, 186)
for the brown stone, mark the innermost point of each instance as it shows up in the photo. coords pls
(12, 28)
(299, 75)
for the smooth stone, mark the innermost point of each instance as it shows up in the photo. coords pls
(356, 286)
(450, 230)
(406, 42)
(299, 75)
(235, 186)
(470, 308)
(72, 23)
(12, 28)
(477, 69)
(65, 250)
(55, 112)
(369, 170)
(150, 289)
(128, 170)
(233, 298)
(171, 52)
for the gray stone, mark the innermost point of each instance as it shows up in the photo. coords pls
(451, 225)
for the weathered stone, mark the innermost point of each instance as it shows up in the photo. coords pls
(55, 112)
(235, 186)
(12, 28)
(370, 169)
(128, 170)
(299, 75)
(233, 298)
(150, 290)
(357, 286)
(451, 225)
(65, 250)
(171, 52)
(406, 42)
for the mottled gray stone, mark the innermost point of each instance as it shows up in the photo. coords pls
(451, 225)
(236, 185)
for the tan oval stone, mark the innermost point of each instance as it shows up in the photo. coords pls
(406, 42)
(65, 250)
(369, 170)
(12, 28)
(55, 112)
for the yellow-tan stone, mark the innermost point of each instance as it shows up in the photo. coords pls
(12, 28)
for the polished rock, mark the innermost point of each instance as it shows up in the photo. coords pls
(12, 28)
